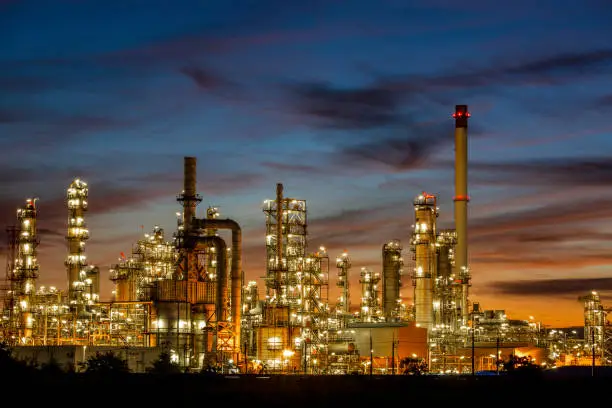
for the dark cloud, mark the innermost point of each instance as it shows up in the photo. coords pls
(604, 101)
(204, 79)
(23, 84)
(355, 216)
(393, 149)
(541, 236)
(573, 63)
(228, 183)
(358, 108)
(9, 116)
(555, 69)
(37, 131)
(547, 233)
(359, 228)
(399, 151)
(383, 102)
(211, 180)
(499, 257)
(556, 213)
(595, 171)
(106, 198)
(401, 147)
(406, 144)
(294, 168)
(556, 287)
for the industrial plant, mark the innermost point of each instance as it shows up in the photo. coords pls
(185, 293)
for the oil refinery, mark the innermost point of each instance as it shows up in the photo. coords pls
(185, 293)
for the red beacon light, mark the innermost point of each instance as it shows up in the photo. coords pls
(460, 114)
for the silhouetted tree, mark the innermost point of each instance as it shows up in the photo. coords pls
(164, 365)
(5, 353)
(510, 364)
(106, 363)
(210, 369)
(413, 366)
(521, 365)
(51, 368)
(9, 363)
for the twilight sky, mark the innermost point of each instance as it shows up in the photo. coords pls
(347, 103)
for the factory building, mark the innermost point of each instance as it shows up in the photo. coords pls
(185, 293)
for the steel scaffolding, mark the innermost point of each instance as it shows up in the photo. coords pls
(285, 248)
(313, 311)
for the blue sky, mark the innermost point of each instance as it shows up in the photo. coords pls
(347, 103)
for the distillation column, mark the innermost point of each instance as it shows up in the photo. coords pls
(594, 324)
(343, 305)
(424, 246)
(370, 306)
(9, 301)
(76, 199)
(23, 278)
(391, 277)
(461, 199)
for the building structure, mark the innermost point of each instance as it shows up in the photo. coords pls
(187, 294)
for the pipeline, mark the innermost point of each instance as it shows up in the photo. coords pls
(221, 249)
(236, 272)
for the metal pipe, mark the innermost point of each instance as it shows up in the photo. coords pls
(461, 200)
(221, 249)
(236, 271)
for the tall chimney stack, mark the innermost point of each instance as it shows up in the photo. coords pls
(461, 199)
(189, 197)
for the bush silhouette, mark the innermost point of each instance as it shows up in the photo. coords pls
(106, 363)
(164, 365)
(10, 364)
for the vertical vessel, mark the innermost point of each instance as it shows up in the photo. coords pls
(423, 244)
(76, 262)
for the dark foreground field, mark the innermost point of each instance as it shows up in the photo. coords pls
(543, 389)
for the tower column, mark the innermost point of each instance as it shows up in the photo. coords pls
(461, 200)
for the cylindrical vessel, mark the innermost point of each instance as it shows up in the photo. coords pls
(392, 268)
(424, 241)
(125, 290)
(172, 328)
